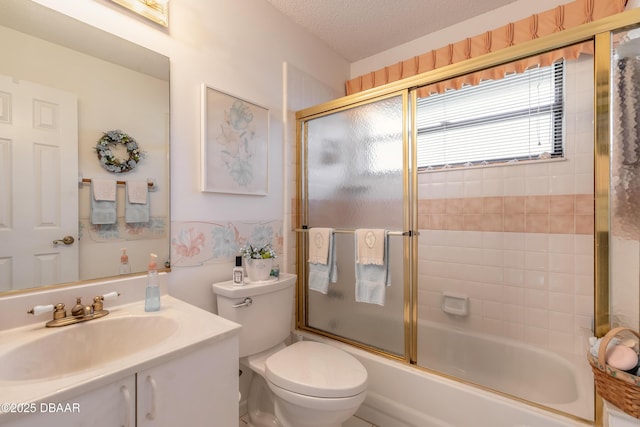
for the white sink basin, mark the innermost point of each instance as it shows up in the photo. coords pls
(83, 346)
(39, 364)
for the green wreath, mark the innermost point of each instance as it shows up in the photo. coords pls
(107, 158)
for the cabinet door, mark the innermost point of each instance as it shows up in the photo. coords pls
(109, 406)
(197, 389)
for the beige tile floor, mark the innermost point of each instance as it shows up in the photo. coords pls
(352, 422)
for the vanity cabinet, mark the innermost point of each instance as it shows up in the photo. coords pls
(197, 387)
(109, 405)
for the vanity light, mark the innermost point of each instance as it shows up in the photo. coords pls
(155, 10)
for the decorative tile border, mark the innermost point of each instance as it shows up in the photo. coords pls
(561, 214)
(196, 243)
(156, 228)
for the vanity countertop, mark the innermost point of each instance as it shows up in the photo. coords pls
(191, 328)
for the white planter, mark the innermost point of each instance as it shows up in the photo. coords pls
(259, 269)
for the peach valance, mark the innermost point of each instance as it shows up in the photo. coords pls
(498, 72)
(538, 25)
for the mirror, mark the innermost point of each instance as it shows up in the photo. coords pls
(63, 85)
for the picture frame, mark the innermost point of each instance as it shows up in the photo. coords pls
(234, 144)
(156, 10)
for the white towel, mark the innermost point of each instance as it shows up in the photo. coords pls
(319, 244)
(137, 191)
(103, 207)
(370, 244)
(136, 206)
(321, 274)
(104, 190)
(372, 278)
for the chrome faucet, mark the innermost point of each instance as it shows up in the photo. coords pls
(79, 313)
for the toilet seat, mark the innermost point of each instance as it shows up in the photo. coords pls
(316, 369)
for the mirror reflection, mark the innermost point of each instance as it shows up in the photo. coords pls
(69, 208)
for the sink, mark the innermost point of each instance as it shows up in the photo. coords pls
(84, 346)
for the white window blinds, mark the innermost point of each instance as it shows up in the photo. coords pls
(515, 118)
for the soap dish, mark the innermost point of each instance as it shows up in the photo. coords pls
(456, 304)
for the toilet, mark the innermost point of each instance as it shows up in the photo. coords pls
(305, 384)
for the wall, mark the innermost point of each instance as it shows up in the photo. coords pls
(517, 239)
(238, 47)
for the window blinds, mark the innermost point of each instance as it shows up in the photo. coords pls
(511, 119)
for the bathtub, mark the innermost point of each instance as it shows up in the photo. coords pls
(514, 368)
(405, 396)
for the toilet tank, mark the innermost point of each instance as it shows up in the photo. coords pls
(266, 322)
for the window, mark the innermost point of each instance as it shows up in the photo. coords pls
(519, 117)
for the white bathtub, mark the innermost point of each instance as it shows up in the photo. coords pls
(404, 396)
(514, 368)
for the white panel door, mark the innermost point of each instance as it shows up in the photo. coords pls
(38, 184)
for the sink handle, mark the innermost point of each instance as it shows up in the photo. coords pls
(41, 309)
(97, 301)
(151, 415)
(110, 296)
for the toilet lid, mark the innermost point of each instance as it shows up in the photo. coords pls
(315, 369)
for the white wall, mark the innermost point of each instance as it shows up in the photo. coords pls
(236, 46)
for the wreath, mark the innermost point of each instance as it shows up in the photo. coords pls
(107, 158)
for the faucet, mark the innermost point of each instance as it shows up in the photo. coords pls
(79, 313)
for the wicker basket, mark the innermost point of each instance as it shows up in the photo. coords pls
(618, 387)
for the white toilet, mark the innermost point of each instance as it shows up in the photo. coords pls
(308, 384)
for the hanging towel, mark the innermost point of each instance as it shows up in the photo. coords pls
(372, 269)
(319, 244)
(320, 273)
(103, 201)
(370, 244)
(137, 207)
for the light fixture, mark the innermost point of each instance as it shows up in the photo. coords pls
(154, 10)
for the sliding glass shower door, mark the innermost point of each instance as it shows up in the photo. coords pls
(353, 164)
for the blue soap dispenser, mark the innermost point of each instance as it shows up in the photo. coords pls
(152, 299)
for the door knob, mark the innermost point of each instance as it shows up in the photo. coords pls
(67, 240)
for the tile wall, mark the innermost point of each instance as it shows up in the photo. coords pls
(517, 239)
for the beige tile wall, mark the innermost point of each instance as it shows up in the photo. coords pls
(556, 214)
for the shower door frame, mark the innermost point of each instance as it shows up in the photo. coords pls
(600, 32)
(409, 233)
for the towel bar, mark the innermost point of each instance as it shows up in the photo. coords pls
(344, 231)
(87, 180)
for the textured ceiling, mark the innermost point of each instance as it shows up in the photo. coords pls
(357, 29)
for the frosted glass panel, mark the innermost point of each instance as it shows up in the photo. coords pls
(626, 134)
(355, 180)
(355, 167)
(625, 175)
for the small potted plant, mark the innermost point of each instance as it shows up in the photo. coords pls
(258, 260)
